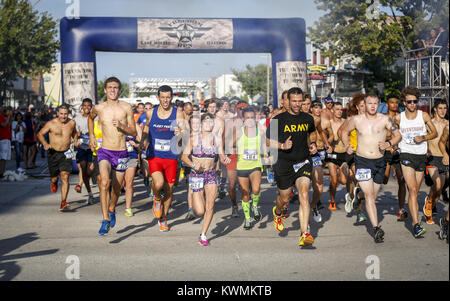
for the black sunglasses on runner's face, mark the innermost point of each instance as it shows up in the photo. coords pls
(415, 101)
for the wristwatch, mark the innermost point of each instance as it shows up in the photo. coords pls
(193, 165)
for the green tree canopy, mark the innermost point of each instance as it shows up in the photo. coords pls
(378, 37)
(254, 80)
(28, 44)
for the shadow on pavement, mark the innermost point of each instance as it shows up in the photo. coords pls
(10, 269)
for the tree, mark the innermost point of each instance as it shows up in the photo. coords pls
(380, 38)
(28, 45)
(254, 80)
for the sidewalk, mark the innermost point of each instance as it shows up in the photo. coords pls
(39, 172)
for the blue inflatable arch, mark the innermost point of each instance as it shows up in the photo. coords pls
(284, 39)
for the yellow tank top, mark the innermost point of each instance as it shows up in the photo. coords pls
(99, 136)
(249, 152)
(353, 140)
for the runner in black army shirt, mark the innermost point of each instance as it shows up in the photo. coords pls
(295, 140)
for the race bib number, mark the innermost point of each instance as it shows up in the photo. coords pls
(363, 174)
(130, 147)
(250, 154)
(299, 165)
(99, 142)
(70, 154)
(332, 156)
(196, 183)
(84, 139)
(322, 154)
(122, 164)
(162, 145)
(317, 161)
(409, 139)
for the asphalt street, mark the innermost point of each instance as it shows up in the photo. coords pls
(37, 242)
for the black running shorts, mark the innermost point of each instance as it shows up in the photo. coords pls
(416, 162)
(57, 162)
(392, 159)
(336, 158)
(367, 169)
(287, 172)
(436, 161)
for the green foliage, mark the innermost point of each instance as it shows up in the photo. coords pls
(28, 44)
(379, 41)
(254, 80)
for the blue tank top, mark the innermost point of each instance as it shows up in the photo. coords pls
(132, 151)
(160, 134)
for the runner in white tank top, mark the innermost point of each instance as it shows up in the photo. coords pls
(416, 129)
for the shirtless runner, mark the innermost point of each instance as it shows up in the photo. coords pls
(437, 170)
(324, 137)
(61, 131)
(116, 120)
(371, 129)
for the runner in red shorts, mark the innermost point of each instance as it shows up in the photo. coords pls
(164, 124)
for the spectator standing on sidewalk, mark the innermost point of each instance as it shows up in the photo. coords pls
(5, 138)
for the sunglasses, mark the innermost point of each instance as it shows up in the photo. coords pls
(415, 101)
(317, 106)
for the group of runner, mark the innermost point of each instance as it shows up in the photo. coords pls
(218, 146)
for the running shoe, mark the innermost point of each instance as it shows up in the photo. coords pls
(443, 232)
(419, 230)
(104, 228)
(151, 196)
(78, 188)
(64, 207)
(430, 220)
(284, 212)
(277, 221)
(248, 224)
(54, 187)
(378, 234)
(203, 241)
(357, 202)
(157, 208)
(428, 207)
(305, 240)
(360, 217)
(316, 215)
(348, 203)
(235, 211)
(402, 215)
(128, 212)
(112, 218)
(163, 224)
(90, 200)
(332, 206)
(190, 215)
(256, 213)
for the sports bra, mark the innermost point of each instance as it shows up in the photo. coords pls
(204, 152)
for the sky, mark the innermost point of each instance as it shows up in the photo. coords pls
(193, 66)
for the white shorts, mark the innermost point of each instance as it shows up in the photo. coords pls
(5, 149)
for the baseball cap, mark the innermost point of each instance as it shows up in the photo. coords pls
(242, 104)
(328, 99)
